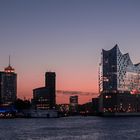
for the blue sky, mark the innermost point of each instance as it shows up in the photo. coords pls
(65, 36)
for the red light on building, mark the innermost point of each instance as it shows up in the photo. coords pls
(135, 91)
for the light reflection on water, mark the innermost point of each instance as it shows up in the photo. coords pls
(71, 128)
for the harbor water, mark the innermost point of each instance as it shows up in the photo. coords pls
(71, 128)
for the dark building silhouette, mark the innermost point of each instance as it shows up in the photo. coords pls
(50, 79)
(44, 97)
(8, 85)
(95, 105)
(50, 83)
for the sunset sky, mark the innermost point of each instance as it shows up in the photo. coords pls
(65, 36)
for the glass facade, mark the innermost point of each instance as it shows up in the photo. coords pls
(8, 86)
(117, 72)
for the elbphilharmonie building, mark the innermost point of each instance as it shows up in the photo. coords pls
(117, 72)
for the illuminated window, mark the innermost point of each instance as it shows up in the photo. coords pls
(108, 97)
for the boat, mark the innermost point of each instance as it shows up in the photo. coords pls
(39, 113)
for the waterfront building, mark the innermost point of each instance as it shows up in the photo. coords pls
(119, 102)
(50, 83)
(118, 73)
(63, 109)
(73, 104)
(95, 105)
(8, 85)
(73, 100)
(119, 83)
(44, 97)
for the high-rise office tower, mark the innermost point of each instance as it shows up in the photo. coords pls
(118, 73)
(44, 97)
(50, 83)
(8, 85)
(50, 79)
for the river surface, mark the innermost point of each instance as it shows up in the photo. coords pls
(71, 128)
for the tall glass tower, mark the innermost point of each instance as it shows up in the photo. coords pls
(8, 85)
(118, 73)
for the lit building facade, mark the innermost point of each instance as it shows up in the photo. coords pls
(118, 73)
(73, 100)
(119, 102)
(8, 86)
(44, 97)
(119, 83)
(73, 104)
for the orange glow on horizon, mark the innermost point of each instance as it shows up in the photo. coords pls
(26, 84)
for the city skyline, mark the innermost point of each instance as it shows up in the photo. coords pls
(65, 37)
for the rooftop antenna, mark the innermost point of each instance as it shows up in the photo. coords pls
(9, 61)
